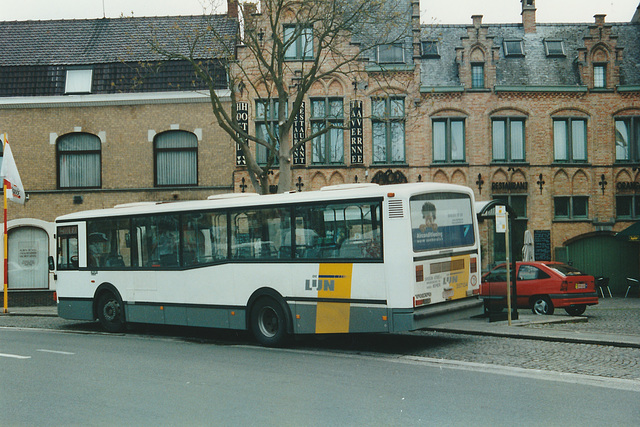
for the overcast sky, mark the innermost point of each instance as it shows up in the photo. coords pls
(433, 11)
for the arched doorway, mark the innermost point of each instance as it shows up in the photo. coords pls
(28, 252)
(604, 255)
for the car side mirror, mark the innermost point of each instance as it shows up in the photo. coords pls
(52, 263)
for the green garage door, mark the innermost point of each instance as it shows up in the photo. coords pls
(606, 256)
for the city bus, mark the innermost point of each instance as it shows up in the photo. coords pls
(350, 258)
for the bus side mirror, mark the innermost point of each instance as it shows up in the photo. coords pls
(52, 264)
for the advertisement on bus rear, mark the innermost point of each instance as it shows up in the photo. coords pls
(441, 221)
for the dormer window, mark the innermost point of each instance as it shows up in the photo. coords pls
(554, 47)
(429, 49)
(477, 76)
(391, 54)
(599, 76)
(513, 48)
(299, 42)
(78, 81)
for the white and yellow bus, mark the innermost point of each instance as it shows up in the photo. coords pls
(347, 258)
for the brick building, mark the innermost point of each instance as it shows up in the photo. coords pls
(95, 118)
(545, 116)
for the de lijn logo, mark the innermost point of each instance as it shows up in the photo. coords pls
(322, 283)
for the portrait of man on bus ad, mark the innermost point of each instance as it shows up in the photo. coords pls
(438, 223)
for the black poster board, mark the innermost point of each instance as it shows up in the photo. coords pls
(355, 133)
(242, 117)
(299, 153)
(542, 245)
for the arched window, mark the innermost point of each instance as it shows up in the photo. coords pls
(176, 158)
(79, 161)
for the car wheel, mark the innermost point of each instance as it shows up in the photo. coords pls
(268, 322)
(110, 312)
(575, 310)
(541, 305)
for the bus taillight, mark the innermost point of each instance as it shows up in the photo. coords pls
(473, 265)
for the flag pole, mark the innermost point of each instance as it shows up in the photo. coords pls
(6, 260)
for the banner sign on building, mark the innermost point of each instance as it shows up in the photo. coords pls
(242, 117)
(355, 132)
(299, 154)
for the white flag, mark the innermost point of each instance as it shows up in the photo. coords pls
(9, 173)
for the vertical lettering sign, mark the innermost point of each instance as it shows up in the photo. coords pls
(299, 154)
(355, 131)
(242, 117)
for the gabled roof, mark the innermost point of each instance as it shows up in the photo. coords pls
(111, 40)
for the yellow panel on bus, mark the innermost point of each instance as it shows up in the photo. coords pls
(333, 317)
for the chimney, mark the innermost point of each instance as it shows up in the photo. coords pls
(529, 16)
(599, 19)
(477, 20)
(232, 8)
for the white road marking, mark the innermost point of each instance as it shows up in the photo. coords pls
(14, 356)
(55, 352)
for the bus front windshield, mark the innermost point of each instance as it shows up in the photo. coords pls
(441, 221)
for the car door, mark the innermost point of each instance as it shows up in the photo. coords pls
(532, 281)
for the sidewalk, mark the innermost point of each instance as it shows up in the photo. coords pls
(613, 322)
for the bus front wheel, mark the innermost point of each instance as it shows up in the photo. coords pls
(268, 322)
(110, 312)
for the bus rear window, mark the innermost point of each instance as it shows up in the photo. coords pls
(441, 221)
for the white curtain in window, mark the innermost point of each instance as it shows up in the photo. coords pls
(79, 160)
(379, 142)
(499, 140)
(439, 141)
(517, 140)
(579, 139)
(337, 145)
(291, 50)
(307, 42)
(622, 140)
(560, 140)
(176, 158)
(457, 140)
(28, 250)
(318, 155)
(397, 142)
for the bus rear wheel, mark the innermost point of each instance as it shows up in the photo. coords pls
(110, 312)
(268, 322)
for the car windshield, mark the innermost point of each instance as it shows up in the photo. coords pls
(566, 270)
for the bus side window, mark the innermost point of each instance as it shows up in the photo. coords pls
(261, 234)
(107, 244)
(67, 247)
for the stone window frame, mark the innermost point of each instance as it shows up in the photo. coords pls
(508, 142)
(570, 205)
(326, 139)
(73, 159)
(599, 75)
(554, 52)
(510, 50)
(632, 124)
(387, 120)
(183, 158)
(568, 142)
(448, 139)
(299, 49)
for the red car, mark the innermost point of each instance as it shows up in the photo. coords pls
(542, 286)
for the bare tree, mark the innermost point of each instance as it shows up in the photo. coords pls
(281, 49)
